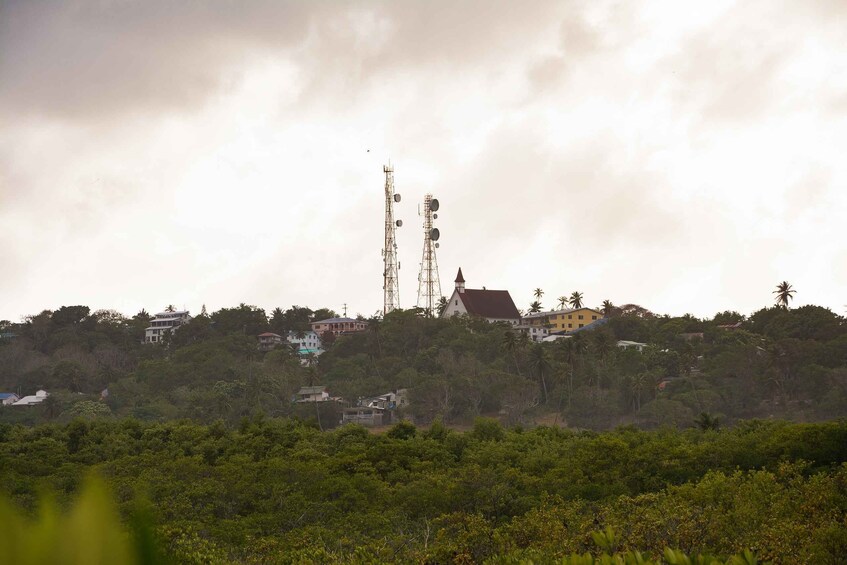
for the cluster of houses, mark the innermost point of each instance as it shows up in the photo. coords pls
(308, 344)
(498, 306)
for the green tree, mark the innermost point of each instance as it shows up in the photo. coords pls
(784, 293)
(540, 365)
(535, 307)
(575, 299)
(706, 421)
(511, 344)
(563, 301)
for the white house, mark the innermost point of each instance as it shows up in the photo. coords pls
(492, 305)
(623, 344)
(36, 398)
(312, 394)
(165, 322)
(535, 333)
(306, 342)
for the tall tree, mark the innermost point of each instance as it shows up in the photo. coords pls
(563, 301)
(607, 307)
(510, 344)
(535, 307)
(538, 293)
(784, 293)
(541, 365)
(576, 299)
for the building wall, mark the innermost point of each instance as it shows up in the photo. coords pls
(163, 322)
(338, 328)
(573, 320)
(455, 307)
(310, 341)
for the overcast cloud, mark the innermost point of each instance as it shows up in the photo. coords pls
(686, 156)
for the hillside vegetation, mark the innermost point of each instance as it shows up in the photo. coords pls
(779, 363)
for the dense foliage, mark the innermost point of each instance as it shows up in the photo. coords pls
(788, 364)
(278, 490)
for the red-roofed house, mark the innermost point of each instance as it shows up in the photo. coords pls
(493, 305)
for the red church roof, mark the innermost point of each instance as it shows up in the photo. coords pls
(459, 277)
(489, 303)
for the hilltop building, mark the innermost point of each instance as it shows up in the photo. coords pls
(165, 322)
(339, 326)
(491, 305)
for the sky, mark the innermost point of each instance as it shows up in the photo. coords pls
(684, 156)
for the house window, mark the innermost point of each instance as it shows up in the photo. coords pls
(580, 325)
(570, 316)
(457, 302)
(593, 317)
(570, 325)
(580, 316)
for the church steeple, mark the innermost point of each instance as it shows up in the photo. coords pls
(460, 281)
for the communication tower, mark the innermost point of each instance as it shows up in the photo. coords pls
(429, 285)
(390, 279)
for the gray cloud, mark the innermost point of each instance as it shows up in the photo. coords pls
(83, 59)
(139, 139)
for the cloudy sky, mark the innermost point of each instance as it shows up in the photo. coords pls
(685, 156)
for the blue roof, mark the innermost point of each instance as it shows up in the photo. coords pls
(5, 395)
(592, 326)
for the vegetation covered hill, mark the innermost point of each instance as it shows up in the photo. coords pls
(779, 362)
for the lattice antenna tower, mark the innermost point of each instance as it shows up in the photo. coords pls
(429, 284)
(391, 266)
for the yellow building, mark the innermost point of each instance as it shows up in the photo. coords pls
(562, 320)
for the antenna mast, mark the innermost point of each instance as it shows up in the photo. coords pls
(390, 278)
(429, 284)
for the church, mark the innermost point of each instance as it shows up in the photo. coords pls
(492, 305)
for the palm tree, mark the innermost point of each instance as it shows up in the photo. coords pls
(563, 301)
(575, 299)
(535, 307)
(706, 421)
(442, 305)
(510, 344)
(540, 363)
(607, 307)
(784, 293)
(538, 293)
(170, 308)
